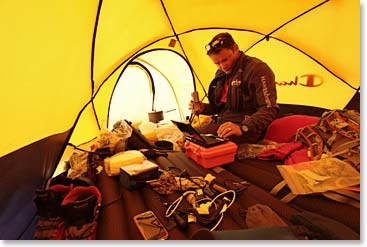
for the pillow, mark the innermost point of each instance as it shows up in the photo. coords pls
(283, 129)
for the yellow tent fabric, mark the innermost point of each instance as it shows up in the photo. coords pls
(58, 57)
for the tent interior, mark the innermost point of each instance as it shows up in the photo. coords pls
(73, 68)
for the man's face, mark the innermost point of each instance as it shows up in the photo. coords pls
(225, 58)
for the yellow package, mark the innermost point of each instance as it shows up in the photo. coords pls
(112, 164)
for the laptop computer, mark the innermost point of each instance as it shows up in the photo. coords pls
(205, 140)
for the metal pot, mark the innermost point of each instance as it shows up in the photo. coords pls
(155, 116)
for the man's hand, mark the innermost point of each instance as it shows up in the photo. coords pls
(197, 107)
(228, 129)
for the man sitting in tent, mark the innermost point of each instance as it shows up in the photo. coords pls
(243, 93)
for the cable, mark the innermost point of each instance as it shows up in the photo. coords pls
(238, 187)
(220, 209)
(80, 149)
(224, 208)
(218, 222)
(176, 203)
(226, 192)
(111, 202)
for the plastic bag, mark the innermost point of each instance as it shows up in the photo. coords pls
(171, 134)
(115, 140)
(251, 151)
(319, 175)
(148, 129)
(78, 164)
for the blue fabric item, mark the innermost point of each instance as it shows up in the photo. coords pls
(24, 171)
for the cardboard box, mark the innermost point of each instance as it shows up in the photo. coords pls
(212, 156)
(134, 176)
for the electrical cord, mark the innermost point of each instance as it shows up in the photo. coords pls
(217, 214)
(80, 149)
(176, 217)
(224, 208)
(220, 208)
(238, 187)
(176, 203)
(112, 201)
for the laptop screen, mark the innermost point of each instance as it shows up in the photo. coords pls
(206, 140)
(189, 130)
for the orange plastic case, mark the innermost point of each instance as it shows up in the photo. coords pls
(212, 156)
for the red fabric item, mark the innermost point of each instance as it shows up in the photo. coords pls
(283, 129)
(80, 212)
(281, 152)
(79, 191)
(224, 92)
(297, 156)
(50, 224)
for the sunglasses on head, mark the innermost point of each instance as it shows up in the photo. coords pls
(218, 43)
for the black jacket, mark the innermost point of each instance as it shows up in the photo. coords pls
(251, 97)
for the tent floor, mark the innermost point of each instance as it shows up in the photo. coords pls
(120, 205)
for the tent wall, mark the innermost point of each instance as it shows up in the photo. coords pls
(22, 172)
(355, 102)
(45, 67)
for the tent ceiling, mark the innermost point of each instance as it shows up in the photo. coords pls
(54, 52)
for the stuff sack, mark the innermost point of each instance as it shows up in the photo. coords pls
(336, 134)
